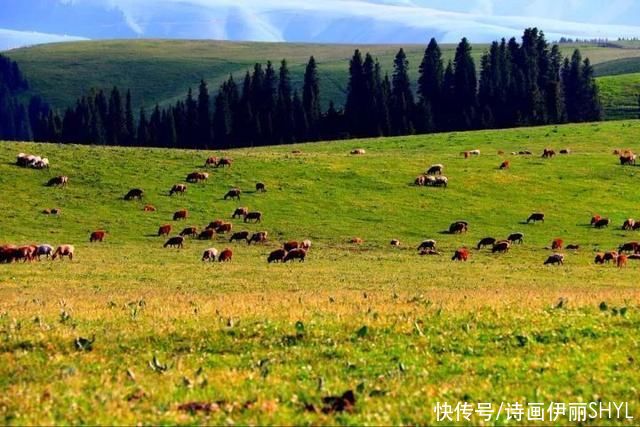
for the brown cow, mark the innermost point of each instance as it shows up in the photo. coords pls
(224, 228)
(210, 254)
(548, 153)
(501, 246)
(628, 159)
(621, 261)
(181, 214)
(420, 181)
(557, 259)
(164, 230)
(177, 241)
(255, 216)
(206, 234)
(610, 256)
(557, 244)
(97, 236)
(277, 256)
(62, 251)
(149, 208)
(291, 245)
(603, 222)
(461, 254)
(224, 162)
(599, 258)
(297, 253)
(458, 227)
(25, 253)
(189, 231)
(178, 189)
(215, 224)
(595, 219)
(487, 241)
(535, 217)
(629, 247)
(505, 164)
(394, 242)
(234, 193)
(356, 241)
(8, 253)
(197, 177)
(259, 237)
(261, 187)
(240, 212)
(225, 255)
(565, 151)
(240, 235)
(629, 223)
(211, 161)
(58, 181)
(134, 193)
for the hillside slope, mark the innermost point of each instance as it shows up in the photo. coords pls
(619, 95)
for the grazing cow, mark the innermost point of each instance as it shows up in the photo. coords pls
(58, 181)
(487, 241)
(277, 256)
(253, 216)
(206, 234)
(56, 211)
(181, 214)
(197, 177)
(297, 253)
(565, 151)
(420, 181)
(601, 223)
(259, 237)
(224, 162)
(213, 225)
(427, 244)
(97, 236)
(461, 254)
(428, 252)
(356, 241)
(466, 154)
(224, 228)
(458, 227)
(45, 250)
(636, 225)
(175, 242)
(516, 237)
(595, 219)
(240, 235)
(234, 193)
(211, 161)
(573, 247)
(46, 211)
(134, 193)
(474, 152)
(164, 230)
(610, 256)
(240, 212)
(395, 242)
(599, 259)
(177, 189)
(505, 164)
(441, 181)
(629, 159)
(634, 256)
(25, 253)
(429, 180)
(189, 231)
(621, 261)
(296, 152)
(557, 244)
(501, 246)
(435, 169)
(629, 247)
(225, 255)
(548, 153)
(535, 217)
(7, 253)
(149, 208)
(290, 245)
(306, 244)
(210, 254)
(261, 187)
(629, 223)
(62, 251)
(358, 151)
(557, 259)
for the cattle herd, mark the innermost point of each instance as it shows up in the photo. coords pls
(294, 250)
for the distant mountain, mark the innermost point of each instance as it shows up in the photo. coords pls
(10, 39)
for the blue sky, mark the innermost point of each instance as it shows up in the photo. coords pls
(336, 21)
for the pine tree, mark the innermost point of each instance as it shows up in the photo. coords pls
(465, 88)
(143, 130)
(355, 113)
(431, 75)
(204, 118)
(190, 135)
(402, 103)
(115, 120)
(268, 100)
(284, 108)
(301, 125)
(311, 97)
(130, 131)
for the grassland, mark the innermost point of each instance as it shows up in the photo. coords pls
(619, 95)
(401, 330)
(160, 71)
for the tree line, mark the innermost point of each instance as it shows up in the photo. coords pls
(519, 84)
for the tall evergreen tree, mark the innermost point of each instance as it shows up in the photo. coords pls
(142, 139)
(402, 103)
(204, 117)
(311, 97)
(284, 106)
(130, 127)
(431, 75)
(465, 88)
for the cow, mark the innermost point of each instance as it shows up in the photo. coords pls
(428, 252)
(610, 256)
(134, 193)
(621, 261)
(601, 223)
(474, 152)
(149, 208)
(461, 254)
(253, 216)
(224, 162)
(599, 259)
(306, 244)
(427, 244)
(215, 224)
(629, 247)
(548, 153)
(573, 247)
(435, 169)
(629, 223)
(595, 219)
(277, 256)
(441, 181)
(636, 225)
(7, 253)
(458, 227)
(97, 236)
(261, 187)
(197, 177)
(56, 211)
(164, 230)
(225, 227)
(58, 181)
(206, 234)
(565, 151)
(290, 245)
(240, 212)
(234, 193)
(181, 214)
(557, 259)
(535, 217)
(516, 237)
(395, 242)
(420, 181)
(356, 241)
(25, 253)
(210, 254)
(189, 231)
(225, 255)
(62, 251)
(501, 246)
(259, 237)
(505, 165)
(358, 151)
(465, 154)
(429, 180)
(175, 242)
(557, 244)
(629, 159)
(240, 235)
(45, 250)
(211, 161)
(634, 257)
(297, 253)
(487, 241)
(178, 189)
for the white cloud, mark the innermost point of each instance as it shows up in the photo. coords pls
(10, 39)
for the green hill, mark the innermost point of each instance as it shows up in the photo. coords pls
(160, 71)
(176, 340)
(617, 67)
(620, 94)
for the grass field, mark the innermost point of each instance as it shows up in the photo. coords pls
(267, 341)
(160, 71)
(617, 67)
(619, 95)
